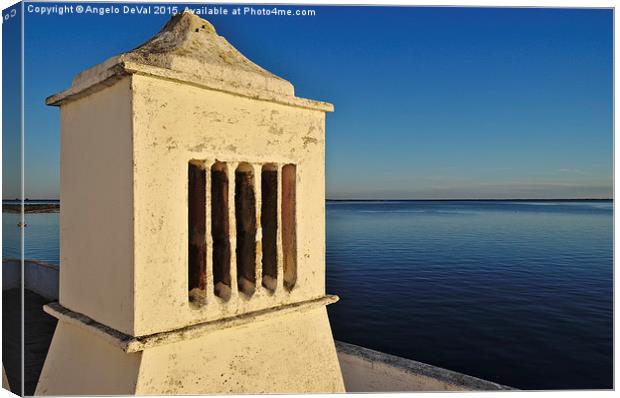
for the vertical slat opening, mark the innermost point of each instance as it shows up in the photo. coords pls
(245, 216)
(269, 225)
(220, 231)
(289, 232)
(197, 244)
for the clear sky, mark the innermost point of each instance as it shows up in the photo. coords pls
(430, 102)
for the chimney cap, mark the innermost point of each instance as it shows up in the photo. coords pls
(189, 50)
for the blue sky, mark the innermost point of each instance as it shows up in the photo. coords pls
(11, 103)
(430, 102)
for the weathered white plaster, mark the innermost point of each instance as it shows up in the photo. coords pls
(193, 123)
(97, 214)
(80, 363)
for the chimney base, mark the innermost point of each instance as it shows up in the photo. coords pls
(282, 352)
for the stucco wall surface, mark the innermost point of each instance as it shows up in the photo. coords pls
(175, 123)
(96, 219)
(79, 363)
(293, 353)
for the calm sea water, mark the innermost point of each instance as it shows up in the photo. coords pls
(41, 241)
(519, 293)
(515, 292)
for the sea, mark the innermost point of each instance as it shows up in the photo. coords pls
(515, 292)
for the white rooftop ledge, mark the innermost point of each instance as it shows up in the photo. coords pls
(366, 370)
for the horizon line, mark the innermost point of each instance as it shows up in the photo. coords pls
(398, 200)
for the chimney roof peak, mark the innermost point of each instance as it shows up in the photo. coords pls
(189, 50)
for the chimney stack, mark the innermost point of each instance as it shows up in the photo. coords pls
(192, 227)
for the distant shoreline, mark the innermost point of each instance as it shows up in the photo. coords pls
(15, 208)
(53, 206)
